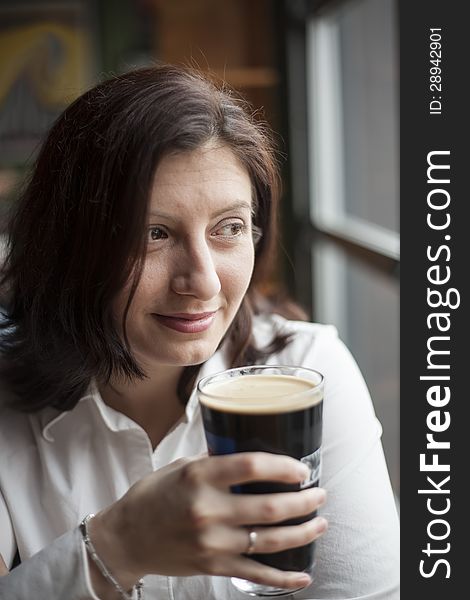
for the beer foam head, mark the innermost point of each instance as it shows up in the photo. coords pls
(261, 394)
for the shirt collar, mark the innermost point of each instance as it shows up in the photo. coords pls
(113, 419)
(49, 417)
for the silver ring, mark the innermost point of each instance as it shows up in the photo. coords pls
(252, 537)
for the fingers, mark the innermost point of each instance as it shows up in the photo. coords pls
(268, 540)
(246, 467)
(244, 568)
(222, 539)
(211, 501)
(276, 539)
(266, 509)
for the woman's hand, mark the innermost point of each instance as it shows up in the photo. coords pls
(183, 520)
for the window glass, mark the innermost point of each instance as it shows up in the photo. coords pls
(369, 94)
(354, 106)
(364, 306)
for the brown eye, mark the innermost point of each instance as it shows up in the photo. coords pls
(230, 230)
(156, 234)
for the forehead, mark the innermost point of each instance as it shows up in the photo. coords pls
(205, 177)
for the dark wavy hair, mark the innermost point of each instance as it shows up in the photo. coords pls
(75, 237)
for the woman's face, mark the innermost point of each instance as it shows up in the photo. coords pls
(200, 258)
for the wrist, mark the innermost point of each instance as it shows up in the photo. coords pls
(107, 540)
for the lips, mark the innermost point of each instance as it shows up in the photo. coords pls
(187, 322)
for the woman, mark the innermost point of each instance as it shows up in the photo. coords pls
(134, 258)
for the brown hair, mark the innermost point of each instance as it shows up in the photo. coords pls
(75, 237)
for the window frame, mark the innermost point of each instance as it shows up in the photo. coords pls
(375, 246)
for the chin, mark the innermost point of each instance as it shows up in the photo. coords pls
(194, 354)
(199, 355)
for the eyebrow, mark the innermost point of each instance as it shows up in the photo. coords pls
(240, 204)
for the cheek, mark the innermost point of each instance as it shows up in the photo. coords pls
(151, 286)
(153, 282)
(236, 275)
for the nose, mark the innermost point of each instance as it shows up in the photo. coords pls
(196, 272)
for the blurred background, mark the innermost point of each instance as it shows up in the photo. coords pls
(323, 73)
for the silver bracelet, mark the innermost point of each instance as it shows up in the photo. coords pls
(103, 568)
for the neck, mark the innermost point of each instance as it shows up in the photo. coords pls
(152, 402)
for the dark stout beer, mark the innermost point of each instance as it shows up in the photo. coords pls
(276, 413)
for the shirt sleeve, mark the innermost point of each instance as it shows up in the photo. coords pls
(358, 557)
(58, 571)
(7, 538)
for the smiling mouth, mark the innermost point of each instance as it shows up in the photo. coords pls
(187, 322)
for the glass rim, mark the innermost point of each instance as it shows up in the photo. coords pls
(316, 387)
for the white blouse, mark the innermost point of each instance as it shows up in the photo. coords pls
(57, 467)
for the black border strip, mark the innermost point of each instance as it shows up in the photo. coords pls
(443, 561)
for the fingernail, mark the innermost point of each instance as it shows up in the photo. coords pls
(303, 471)
(321, 524)
(321, 495)
(304, 579)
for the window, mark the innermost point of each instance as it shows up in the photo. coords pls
(349, 209)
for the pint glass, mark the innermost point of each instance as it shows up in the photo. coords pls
(275, 409)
